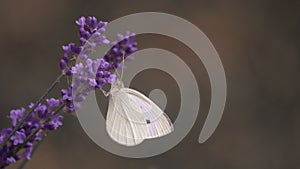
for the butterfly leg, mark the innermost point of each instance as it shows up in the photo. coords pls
(105, 93)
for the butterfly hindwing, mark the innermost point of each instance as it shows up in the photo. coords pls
(158, 123)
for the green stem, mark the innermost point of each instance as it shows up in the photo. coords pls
(28, 113)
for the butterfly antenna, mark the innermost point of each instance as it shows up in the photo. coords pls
(117, 72)
(123, 61)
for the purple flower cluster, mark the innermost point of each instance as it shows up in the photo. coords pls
(28, 127)
(88, 27)
(86, 79)
(42, 118)
(94, 74)
(120, 49)
(91, 36)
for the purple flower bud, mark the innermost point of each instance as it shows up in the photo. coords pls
(104, 64)
(106, 74)
(101, 81)
(77, 50)
(53, 102)
(99, 74)
(62, 64)
(67, 98)
(64, 91)
(31, 105)
(105, 41)
(10, 160)
(72, 46)
(65, 58)
(84, 34)
(92, 22)
(112, 78)
(82, 40)
(66, 48)
(42, 111)
(81, 21)
(68, 73)
(102, 24)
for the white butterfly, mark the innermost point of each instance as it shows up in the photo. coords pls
(132, 117)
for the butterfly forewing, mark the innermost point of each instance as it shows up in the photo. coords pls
(133, 117)
(125, 122)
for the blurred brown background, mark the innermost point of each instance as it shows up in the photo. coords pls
(258, 42)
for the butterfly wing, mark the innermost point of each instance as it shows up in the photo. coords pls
(125, 122)
(158, 122)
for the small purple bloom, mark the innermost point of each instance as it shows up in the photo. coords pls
(10, 160)
(4, 133)
(16, 115)
(68, 100)
(18, 137)
(31, 105)
(42, 111)
(92, 82)
(55, 122)
(26, 153)
(32, 122)
(53, 102)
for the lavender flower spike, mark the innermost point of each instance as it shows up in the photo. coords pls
(30, 126)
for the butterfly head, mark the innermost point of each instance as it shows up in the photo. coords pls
(117, 85)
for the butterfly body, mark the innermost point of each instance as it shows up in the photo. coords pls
(132, 117)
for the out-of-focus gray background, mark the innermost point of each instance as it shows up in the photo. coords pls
(258, 42)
